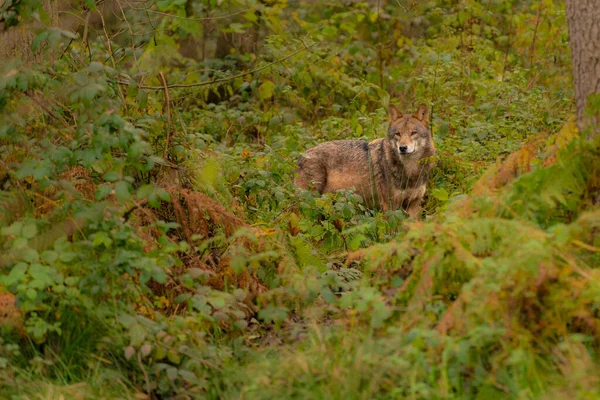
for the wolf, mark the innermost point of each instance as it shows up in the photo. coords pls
(390, 172)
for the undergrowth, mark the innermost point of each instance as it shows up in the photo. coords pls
(154, 246)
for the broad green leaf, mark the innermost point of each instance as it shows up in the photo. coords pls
(13, 230)
(440, 193)
(124, 319)
(31, 293)
(102, 191)
(159, 275)
(265, 90)
(29, 255)
(137, 333)
(122, 191)
(173, 357)
(29, 231)
(111, 176)
(38, 40)
(17, 273)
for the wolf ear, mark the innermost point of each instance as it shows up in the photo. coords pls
(422, 114)
(393, 113)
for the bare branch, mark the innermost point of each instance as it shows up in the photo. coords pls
(187, 18)
(220, 80)
(168, 104)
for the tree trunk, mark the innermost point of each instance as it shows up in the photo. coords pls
(583, 17)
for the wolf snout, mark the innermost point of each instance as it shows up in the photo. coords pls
(403, 148)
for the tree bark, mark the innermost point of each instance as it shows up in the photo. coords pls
(583, 17)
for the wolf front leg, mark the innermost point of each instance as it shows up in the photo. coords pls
(413, 208)
(383, 199)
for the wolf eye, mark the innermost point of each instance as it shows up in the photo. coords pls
(413, 133)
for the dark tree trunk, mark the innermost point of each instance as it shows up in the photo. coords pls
(583, 17)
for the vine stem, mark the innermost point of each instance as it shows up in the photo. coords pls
(221, 80)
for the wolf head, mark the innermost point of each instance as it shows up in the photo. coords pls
(409, 134)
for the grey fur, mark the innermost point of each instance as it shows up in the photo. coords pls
(376, 170)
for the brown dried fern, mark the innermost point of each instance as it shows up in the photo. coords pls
(197, 213)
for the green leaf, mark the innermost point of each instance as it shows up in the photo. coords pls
(101, 238)
(122, 191)
(31, 293)
(124, 319)
(71, 281)
(13, 230)
(29, 231)
(137, 333)
(91, 5)
(26, 169)
(142, 99)
(111, 176)
(356, 241)
(22, 83)
(144, 191)
(16, 275)
(159, 353)
(95, 66)
(186, 375)
(38, 40)
(42, 170)
(265, 90)
(217, 302)
(359, 129)
(41, 273)
(67, 256)
(29, 255)
(440, 193)
(209, 172)
(171, 372)
(102, 191)
(159, 275)
(173, 357)
(238, 263)
(236, 27)
(87, 93)
(328, 295)
(163, 194)
(19, 243)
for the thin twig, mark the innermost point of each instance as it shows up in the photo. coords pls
(168, 103)
(188, 18)
(221, 80)
(131, 34)
(85, 38)
(379, 47)
(535, 30)
(146, 378)
(50, 112)
(110, 52)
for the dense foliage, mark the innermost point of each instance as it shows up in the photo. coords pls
(154, 246)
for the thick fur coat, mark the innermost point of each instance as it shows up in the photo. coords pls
(389, 172)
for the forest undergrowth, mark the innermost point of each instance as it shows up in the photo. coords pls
(154, 245)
